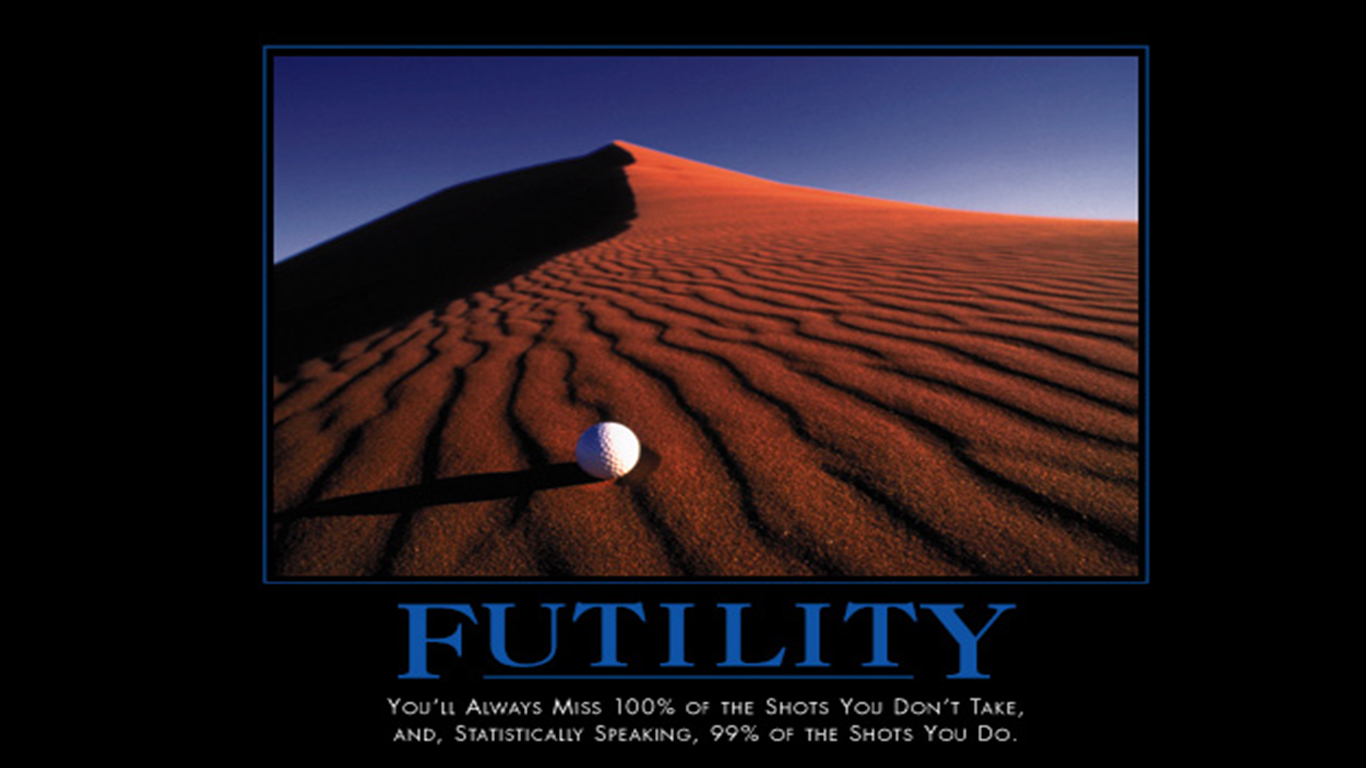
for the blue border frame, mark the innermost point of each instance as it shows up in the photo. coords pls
(1143, 53)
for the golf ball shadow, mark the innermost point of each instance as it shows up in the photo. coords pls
(485, 486)
(614, 453)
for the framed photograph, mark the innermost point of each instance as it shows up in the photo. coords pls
(718, 398)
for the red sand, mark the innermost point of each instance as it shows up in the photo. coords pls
(828, 385)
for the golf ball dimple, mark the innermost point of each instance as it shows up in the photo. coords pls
(607, 450)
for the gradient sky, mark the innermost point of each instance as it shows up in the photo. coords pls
(357, 134)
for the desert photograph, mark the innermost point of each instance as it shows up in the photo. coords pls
(819, 316)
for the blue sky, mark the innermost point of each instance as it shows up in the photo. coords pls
(355, 134)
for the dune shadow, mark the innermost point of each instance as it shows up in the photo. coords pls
(444, 247)
(453, 490)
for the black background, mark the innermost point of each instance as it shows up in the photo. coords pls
(1098, 669)
(1090, 666)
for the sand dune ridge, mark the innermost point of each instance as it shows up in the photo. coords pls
(828, 386)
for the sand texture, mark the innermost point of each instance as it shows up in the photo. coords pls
(825, 385)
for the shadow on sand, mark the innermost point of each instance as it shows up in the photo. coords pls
(441, 248)
(454, 490)
(481, 487)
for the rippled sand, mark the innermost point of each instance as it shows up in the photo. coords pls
(826, 385)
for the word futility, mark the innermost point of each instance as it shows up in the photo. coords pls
(634, 637)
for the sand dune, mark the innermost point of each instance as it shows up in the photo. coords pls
(826, 385)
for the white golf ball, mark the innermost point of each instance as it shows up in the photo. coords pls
(607, 450)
